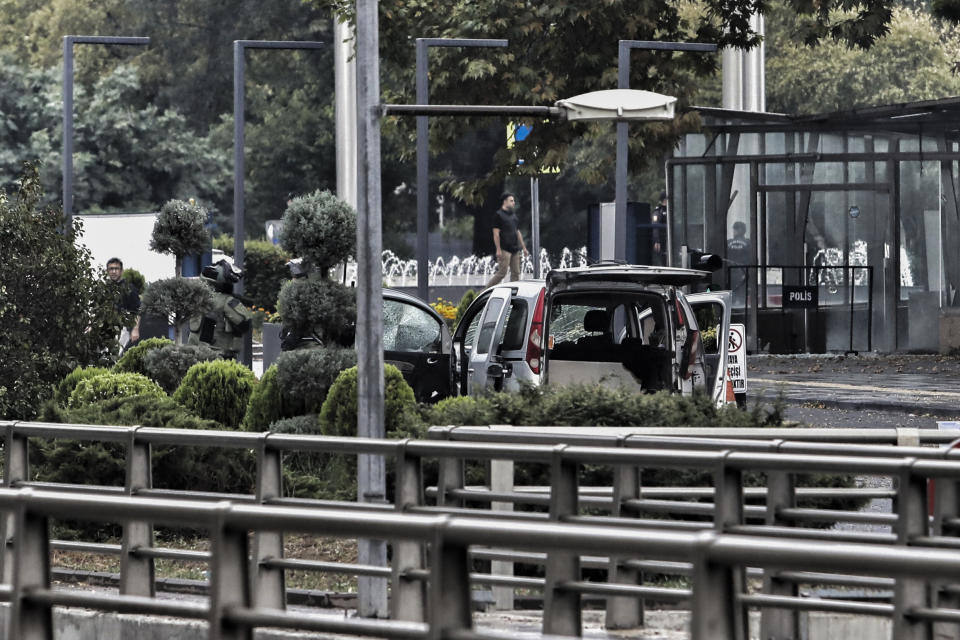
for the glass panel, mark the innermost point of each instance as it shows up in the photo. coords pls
(490, 316)
(409, 328)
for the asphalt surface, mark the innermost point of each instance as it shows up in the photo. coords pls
(870, 391)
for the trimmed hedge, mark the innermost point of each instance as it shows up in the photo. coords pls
(217, 390)
(113, 385)
(338, 417)
(132, 359)
(317, 304)
(61, 394)
(169, 364)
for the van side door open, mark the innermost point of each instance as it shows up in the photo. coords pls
(712, 313)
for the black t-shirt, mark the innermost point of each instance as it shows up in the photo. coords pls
(506, 221)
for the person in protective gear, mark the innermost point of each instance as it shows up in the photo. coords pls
(228, 320)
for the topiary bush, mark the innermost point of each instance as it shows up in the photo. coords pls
(264, 267)
(179, 298)
(61, 395)
(468, 297)
(133, 358)
(169, 364)
(266, 403)
(338, 416)
(180, 230)
(113, 385)
(217, 390)
(460, 411)
(135, 278)
(297, 384)
(320, 228)
(320, 306)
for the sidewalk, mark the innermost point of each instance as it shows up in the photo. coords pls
(928, 384)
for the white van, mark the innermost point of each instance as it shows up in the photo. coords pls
(617, 325)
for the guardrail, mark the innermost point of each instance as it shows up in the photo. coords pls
(718, 595)
(909, 522)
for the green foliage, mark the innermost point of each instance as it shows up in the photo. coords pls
(169, 364)
(265, 271)
(319, 305)
(915, 61)
(266, 403)
(338, 416)
(132, 360)
(112, 385)
(56, 311)
(320, 228)
(459, 410)
(309, 423)
(179, 298)
(62, 394)
(135, 278)
(297, 384)
(179, 229)
(468, 297)
(217, 390)
(145, 410)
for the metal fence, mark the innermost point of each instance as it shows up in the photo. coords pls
(627, 502)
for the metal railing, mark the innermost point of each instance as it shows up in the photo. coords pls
(717, 592)
(626, 501)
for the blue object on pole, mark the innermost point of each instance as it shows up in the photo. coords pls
(522, 131)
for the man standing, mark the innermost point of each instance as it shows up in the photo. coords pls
(127, 303)
(507, 240)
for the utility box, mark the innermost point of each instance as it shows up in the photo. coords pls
(949, 329)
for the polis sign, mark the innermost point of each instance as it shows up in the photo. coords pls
(800, 297)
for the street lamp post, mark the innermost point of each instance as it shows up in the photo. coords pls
(239, 115)
(423, 149)
(623, 82)
(68, 42)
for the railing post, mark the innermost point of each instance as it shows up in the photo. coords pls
(229, 577)
(449, 586)
(450, 478)
(269, 583)
(624, 612)
(408, 600)
(16, 469)
(715, 594)
(501, 479)
(561, 607)
(910, 505)
(946, 506)
(782, 624)
(29, 620)
(137, 571)
(728, 511)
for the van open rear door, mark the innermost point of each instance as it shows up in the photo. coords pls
(712, 311)
(485, 368)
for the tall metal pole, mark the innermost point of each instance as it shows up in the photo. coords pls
(68, 42)
(623, 82)
(239, 116)
(371, 476)
(345, 98)
(535, 224)
(423, 150)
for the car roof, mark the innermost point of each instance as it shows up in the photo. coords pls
(632, 273)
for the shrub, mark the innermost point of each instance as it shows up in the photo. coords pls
(180, 298)
(266, 404)
(135, 278)
(460, 410)
(132, 360)
(338, 416)
(169, 364)
(320, 228)
(469, 296)
(297, 384)
(56, 309)
(62, 393)
(113, 385)
(319, 305)
(180, 231)
(217, 390)
(309, 423)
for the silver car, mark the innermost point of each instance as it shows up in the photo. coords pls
(616, 325)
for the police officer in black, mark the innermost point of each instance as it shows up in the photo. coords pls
(228, 320)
